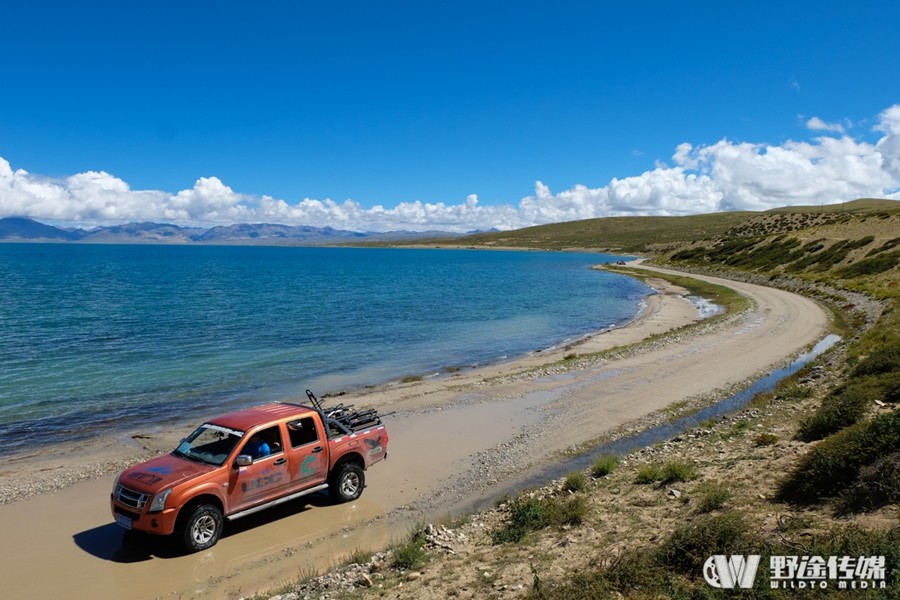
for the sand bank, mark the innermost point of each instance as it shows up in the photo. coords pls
(453, 439)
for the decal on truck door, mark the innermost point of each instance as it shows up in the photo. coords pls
(267, 476)
(260, 482)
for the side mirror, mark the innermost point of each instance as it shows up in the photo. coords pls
(243, 460)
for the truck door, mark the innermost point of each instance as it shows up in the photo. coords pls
(309, 453)
(268, 477)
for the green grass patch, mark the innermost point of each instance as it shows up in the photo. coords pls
(677, 471)
(875, 378)
(740, 427)
(671, 472)
(629, 572)
(690, 545)
(533, 514)
(794, 391)
(878, 485)
(411, 554)
(888, 245)
(870, 266)
(765, 439)
(575, 482)
(834, 464)
(768, 254)
(604, 465)
(725, 297)
(884, 359)
(648, 474)
(711, 496)
(842, 408)
(885, 334)
(890, 387)
(359, 556)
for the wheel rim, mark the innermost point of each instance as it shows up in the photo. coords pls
(350, 484)
(204, 529)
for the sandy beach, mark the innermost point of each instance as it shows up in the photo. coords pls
(454, 440)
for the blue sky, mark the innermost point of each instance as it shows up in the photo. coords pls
(463, 115)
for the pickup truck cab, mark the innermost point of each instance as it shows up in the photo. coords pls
(246, 461)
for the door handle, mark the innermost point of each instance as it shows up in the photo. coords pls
(279, 462)
(317, 449)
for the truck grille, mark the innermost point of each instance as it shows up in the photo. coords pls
(131, 498)
(131, 515)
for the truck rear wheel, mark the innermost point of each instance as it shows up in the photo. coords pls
(347, 483)
(202, 527)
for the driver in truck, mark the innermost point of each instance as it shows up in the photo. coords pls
(257, 447)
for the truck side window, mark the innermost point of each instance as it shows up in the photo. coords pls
(264, 443)
(302, 432)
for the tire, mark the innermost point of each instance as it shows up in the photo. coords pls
(202, 527)
(347, 483)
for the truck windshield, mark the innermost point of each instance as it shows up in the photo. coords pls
(209, 444)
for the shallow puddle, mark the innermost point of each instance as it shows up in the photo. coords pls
(72, 530)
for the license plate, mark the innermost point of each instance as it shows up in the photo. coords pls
(123, 521)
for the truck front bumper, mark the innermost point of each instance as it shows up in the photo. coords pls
(161, 523)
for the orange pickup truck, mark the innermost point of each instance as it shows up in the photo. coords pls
(246, 461)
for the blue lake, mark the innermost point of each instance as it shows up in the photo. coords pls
(99, 337)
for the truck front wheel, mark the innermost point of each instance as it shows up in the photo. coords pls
(347, 483)
(202, 527)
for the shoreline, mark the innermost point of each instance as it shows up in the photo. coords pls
(89, 412)
(38, 473)
(454, 439)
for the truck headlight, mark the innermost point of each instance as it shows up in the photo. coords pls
(159, 500)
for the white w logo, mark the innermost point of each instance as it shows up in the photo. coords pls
(722, 571)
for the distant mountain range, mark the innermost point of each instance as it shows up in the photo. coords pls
(23, 229)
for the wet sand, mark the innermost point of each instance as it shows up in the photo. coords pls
(454, 440)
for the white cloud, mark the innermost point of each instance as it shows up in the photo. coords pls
(889, 145)
(210, 201)
(817, 124)
(744, 176)
(703, 178)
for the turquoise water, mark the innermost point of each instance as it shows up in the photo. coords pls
(96, 337)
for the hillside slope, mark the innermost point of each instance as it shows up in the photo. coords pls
(810, 469)
(645, 234)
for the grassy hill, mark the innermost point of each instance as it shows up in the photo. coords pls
(810, 469)
(642, 234)
(627, 234)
